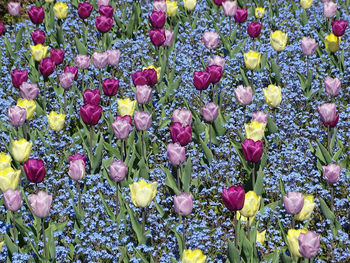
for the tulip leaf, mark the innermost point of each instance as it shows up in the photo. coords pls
(51, 241)
(19, 37)
(97, 157)
(143, 169)
(179, 241)
(59, 35)
(333, 140)
(233, 253)
(325, 154)
(285, 258)
(186, 175)
(170, 181)
(282, 188)
(107, 208)
(136, 226)
(207, 152)
(304, 19)
(12, 248)
(9, 48)
(276, 70)
(271, 125)
(81, 48)
(245, 79)
(247, 249)
(218, 125)
(259, 183)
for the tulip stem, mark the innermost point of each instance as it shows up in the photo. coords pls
(143, 211)
(14, 228)
(178, 177)
(79, 195)
(65, 101)
(183, 232)
(210, 128)
(248, 228)
(252, 78)
(235, 226)
(110, 106)
(82, 80)
(159, 57)
(253, 176)
(293, 222)
(44, 236)
(230, 23)
(307, 66)
(143, 146)
(213, 90)
(117, 201)
(91, 136)
(332, 198)
(329, 139)
(100, 80)
(121, 150)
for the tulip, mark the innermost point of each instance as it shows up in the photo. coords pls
(332, 42)
(244, 95)
(329, 9)
(56, 121)
(71, 69)
(233, 197)
(121, 129)
(38, 51)
(259, 12)
(292, 237)
(254, 29)
(219, 61)
(260, 116)
(210, 111)
(252, 59)
(252, 150)
(143, 94)
(90, 114)
(40, 204)
(9, 178)
(104, 23)
(38, 36)
(159, 6)
(82, 61)
(251, 204)
(113, 57)
(117, 171)
(14, 8)
(189, 5)
(57, 55)
(77, 156)
(84, 10)
(34, 170)
(273, 95)
(230, 8)
(169, 38)
(126, 107)
(12, 199)
(255, 130)
(306, 4)
(278, 40)
(29, 105)
(17, 116)
(139, 78)
(293, 203)
(338, 27)
(176, 153)
(183, 204)
(18, 77)
(307, 209)
(201, 79)
(193, 256)
(2, 28)
(143, 120)
(210, 39)
(332, 86)
(309, 244)
(182, 135)
(60, 10)
(106, 10)
(5, 161)
(308, 45)
(110, 87)
(241, 15)
(66, 80)
(157, 36)
(260, 237)
(151, 76)
(219, 2)
(143, 193)
(36, 14)
(100, 59)
(157, 19)
(328, 114)
(183, 116)
(92, 97)
(47, 67)
(125, 117)
(215, 73)
(331, 173)
(171, 8)
(76, 169)
(102, 2)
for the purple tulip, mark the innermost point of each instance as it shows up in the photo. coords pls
(57, 55)
(2, 28)
(102, 2)
(121, 128)
(210, 39)
(106, 10)
(159, 6)
(183, 204)
(169, 38)
(84, 10)
(82, 61)
(210, 111)
(40, 204)
(218, 61)
(308, 46)
(143, 120)
(254, 29)
(14, 8)
(230, 8)
(34, 170)
(12, 199)
(182, 135)
(201, 79)
(332, 86)
(72, 70)
(17, 115)
(157, 36)
(18, 77)
(47, 67)
(36, 14)
(338, 27)
(252, 151)
(143, 94)
(77, 156)
(328, 114)
(100, 59)
(176, 153)
(66, 80)
(331, 173)
(125, 118)
(260, 116)
(241, 15)
(294, 202)
(309, 244)
(29, 91)
(76, 169)
(157, 19)
(329, 9)
(113, 57)
(117, 171)
(182, 116)
(151, 76)
(139, 78)
(233, 197)
(244, 96)
(92, 96)
(215, 73)
(90, 114)
(110, 87)
(219, 2)
(38, 36)
(104, 23)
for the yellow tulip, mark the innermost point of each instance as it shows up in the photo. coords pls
(193, 256)
(332, 42)
(156, 69)
(171, 8)
(189, 5)
(142, 193)
(259, 12)
(1, 244)
(293, 235)
(29, 105)
(307, 209)
(260, 237)
(126, 107)
(38, 51)
(278, 40)
(306, 4)
(5, 161)
(252, 59)
(56, 120)
(255, 130)
(273, 95)
(60, 10)
(244, 219)
(9, 178)
(251, 204)
(21, 150)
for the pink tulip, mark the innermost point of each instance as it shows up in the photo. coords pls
(12, 199)
(210, 111)
(293, 203)
(332, 86)
(331, 173)
(183, 204)
(40, 204)
(117, 171)
(243, 95)
(176, 153)
(211, 39)
(308, 45)
(182, 116)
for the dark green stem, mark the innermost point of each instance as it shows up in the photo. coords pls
(44, 237)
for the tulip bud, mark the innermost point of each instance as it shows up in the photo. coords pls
(12, 199)
(233, 197)
(82, 61)
(157, 36)
(139, 78)
(126, 107)
(329, 9)
(38, 36)
(273, 95)
(90, 114)
(306, 4)
(14, 8)
(18, 77)
(201, 80)
(106, 10)
(244, 96)
(260, 116)
(210, 39)
(169, 38)
(143, 193)
(328, 114)
(254, 29)
(66, 80)
(100, 59)
(143, 94)
(29, 105)
(194, 256)
(251, 204)
(183, 204)
(308, 45)
(34, 170)
(230, 8)
(309, 244)
(117, 171)
(151, 76)
(60, 10)
(143, 120)
(252, 150)
(113, 57)
(338, 27)
(332, 86)
(255, 130)
(84, 10)
(293, 235)
(17, 116)
(56, 121)
(71, 69)
(293, 203)
(36, 14)
(121, 129)
(182, 135)
(159, 6)
(182, 116)
(252, 59)
(104, 23)
(47, 67)
(40, 204)
(77, 156)
(332, 42)
(9, 178)
(331, 173)
(218, 61)
(76, 169)
(38, 51)
(215, 73)
(241, 15)
(278, 40)
(176, 153)
(92, 96)
(157, 19)
(210, 111)
(110, 87)
(5, 161)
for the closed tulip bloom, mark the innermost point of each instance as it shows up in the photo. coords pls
(329, 9)
(183, 116)
(210, 111)
(331, 173)
(308, 45)
(169, 38)
(76, 169)
(117, 171)
(278, 40)
(38, 36)
(84, 10)
(36, 14)
(139, 78)
(273, 95)
(5, 161)
(18, 77)
(76, 157)
(328, 112)
(56, 121)
(90, 114)
(210, 39)
(157, 36)
(106, 10)
(307, 209)
(71, 69)
(143, 193)
(92, 96)
(171, 8)
(126, 107)
(332, 42)
(121, 129)
(230, 8)
(9, 178)
(182, 135)
(47, 67)
(259, 12)
(251, 204)
(40, 204)
(244, 95)
(338, 27)
(2, 28)
(218, 61)
(100, 59)
(201, 79)
(157, 19)
(12, 199)
(17, 116)
(252, 59)
(183, 204)
(66, 80)
(34, 170)
(332, 86)
(260, 237)
(110, 87)
(252, 150)
(38, 51)
(293, 203)
(306, 4)
(29, 105)
(215, 73)
(151, 76)
(176, 153)
(57, 55)
(233, 197)
(259, 116)
(193, 256)
(159, 6)
(293, 240)
(82, 61)
(125, 117)
(189, 5)
(60, 10)
(309, 244)
(143, 94)
(255, 130)
(254, 29)
(219, 2)
(113, 57)
(241, 15)
(104, 23)
(102, 2)
(14, 8)
(143, 120)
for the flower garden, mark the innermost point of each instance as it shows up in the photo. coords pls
(175, 131)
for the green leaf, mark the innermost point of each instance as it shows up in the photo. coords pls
(276, 70)
(136, 226)
(19, 37)
(107, 208)
(282, 188)
(271, 126)
(170, 181)
(259, 183)
(207, 152)
(97, 158)
(233, 253)
(247, 249)
(186, 175)
(244, 76)
(8, 48)
(10, 245)
(326, 156)
(81, 48)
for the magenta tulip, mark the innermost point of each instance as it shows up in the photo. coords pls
(233, 197)
(34, 170)
(2, 28)
(92, 96)
(110, 87)
(47, 67)
(57, 55)
(77, 156)
(338, 27)
(254, 29)
(241, 15)
(151, 76)
(90, 114)
(157, 19)
(219, 2)
(106, 10)
(215, 73)
(201, 79)
(125, 117)
(139, 78)
(182, 135)
(38, 36)
(157, 36)
(36, 14)
(104, 23)
(18, 77)
(252, 151)
(84, 10)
